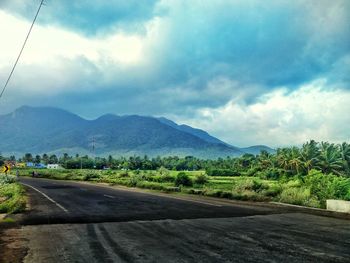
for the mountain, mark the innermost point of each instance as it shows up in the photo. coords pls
(50, 130)
(196, 132)
(256, 149)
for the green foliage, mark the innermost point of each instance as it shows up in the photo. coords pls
(308, 175)
(7, 179)
(201, 179)
(298, 196)
(12, 198)
(135, 180)
(161, 178)
(124, 174)
(249, 184)
(163, 171)
(270, 174)
(329, 186)
(182, 179)
(222, 172)
(91, 175)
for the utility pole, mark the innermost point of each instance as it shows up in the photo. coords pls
(93, 151)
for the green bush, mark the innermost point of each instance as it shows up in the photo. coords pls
(222, 172)
(172, 189)
(13, 198)
(253, 171)
(269, 174)
(183, 179)
(88, 176)
(201, 179)
(272, 191)
(135, 180)
(163, 171)
(7, 179)
(249, 184)
(160, 178)
(124, 174)
(298, 196)
(194, 191)
(329, 186)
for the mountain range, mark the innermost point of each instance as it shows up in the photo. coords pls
(50, 130)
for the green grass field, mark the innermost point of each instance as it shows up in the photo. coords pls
(242, 187)
(312, 190)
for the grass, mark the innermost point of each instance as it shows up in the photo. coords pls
(217, 186)
(312, 190)
(12, 199)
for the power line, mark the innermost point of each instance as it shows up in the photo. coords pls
(23, 46)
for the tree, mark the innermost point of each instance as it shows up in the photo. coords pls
(283, 157)
(295, 162)
(28, 157)
(330, 159)
(310, 155)
(53, 159)
(37, 159)
(45, 158)
(345, 156)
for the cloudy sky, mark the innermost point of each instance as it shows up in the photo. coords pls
(250, 72)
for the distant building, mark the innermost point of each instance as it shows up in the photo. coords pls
(53, 166)
(40, 166)
(30, 164)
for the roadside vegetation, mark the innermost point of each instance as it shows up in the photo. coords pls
(306, 176)
(12, 199)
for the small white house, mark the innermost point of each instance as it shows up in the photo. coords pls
(53, 166)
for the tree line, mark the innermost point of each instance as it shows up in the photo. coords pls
(289, 161)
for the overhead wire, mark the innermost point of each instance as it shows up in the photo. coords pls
(23, 46)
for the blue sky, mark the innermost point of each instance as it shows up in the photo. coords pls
(248, 71)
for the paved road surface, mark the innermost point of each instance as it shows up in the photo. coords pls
(74, 222)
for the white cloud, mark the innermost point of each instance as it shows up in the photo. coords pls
(279, 118)
(54, 50)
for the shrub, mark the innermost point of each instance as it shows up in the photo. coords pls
(272, 191)
(269, 174)
(298, 196)
(201, 179)
(183, 179)
(134, 180)
(252, 171)
(249, 184)
(124, 174)
(194, 191)
(163, 171)
(160, 179)
(9, 179)
(86, 177)
(172, 189)
(222, 172)
(329, 186)
(14, 198)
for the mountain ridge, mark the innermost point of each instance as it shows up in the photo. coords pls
(47, 130)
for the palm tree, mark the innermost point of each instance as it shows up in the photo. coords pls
(295, 162)
(330, 159)
(283, 157)
(345, 156)
(266, 160)
(310, 155)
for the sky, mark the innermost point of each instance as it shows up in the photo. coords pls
(249, 72)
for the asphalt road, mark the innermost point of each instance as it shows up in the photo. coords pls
(75, 222)
(73, 202)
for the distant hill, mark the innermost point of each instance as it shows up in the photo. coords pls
(257, 149)
(51, 130)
